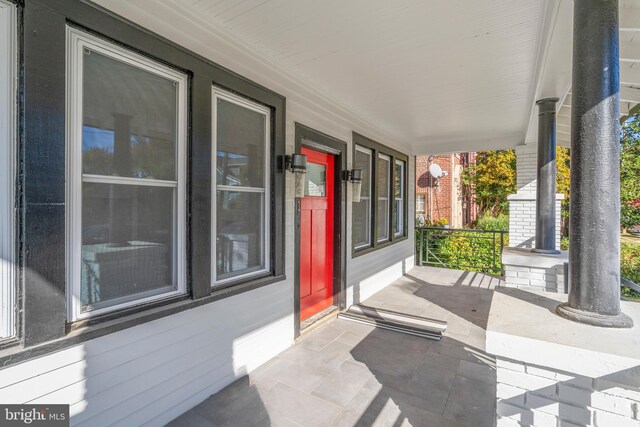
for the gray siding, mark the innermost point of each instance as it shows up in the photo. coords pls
(370, 273)
(153, 372)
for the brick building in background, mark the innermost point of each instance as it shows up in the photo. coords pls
(444, 198)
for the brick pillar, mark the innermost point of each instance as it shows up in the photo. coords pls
(522, 205)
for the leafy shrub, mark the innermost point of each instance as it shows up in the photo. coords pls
(564, 243)
(423, 221)
(630, 268)
(440, 223)
(464, 250)
(496, 223)
(630, 214)
(467, 250)
(473, 251)
(630, 294)
(630, 261)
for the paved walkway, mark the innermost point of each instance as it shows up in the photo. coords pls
(347, 374)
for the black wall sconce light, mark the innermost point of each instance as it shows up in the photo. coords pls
(297, 164)
(354, 176)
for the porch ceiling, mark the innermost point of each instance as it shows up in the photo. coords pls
(433, 76)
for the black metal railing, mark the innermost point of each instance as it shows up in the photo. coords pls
(461, 249)
(629, 284)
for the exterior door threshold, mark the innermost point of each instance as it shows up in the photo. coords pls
(317, 320)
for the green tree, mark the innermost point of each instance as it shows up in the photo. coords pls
(630, 172)
(563, 180)
(491, 179)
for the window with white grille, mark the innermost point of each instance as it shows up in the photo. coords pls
(8, 66)
(242, 199)
(126, 177)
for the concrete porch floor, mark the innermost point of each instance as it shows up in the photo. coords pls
(347, 374)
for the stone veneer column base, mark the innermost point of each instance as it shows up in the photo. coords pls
(524, 268)
(553, 372)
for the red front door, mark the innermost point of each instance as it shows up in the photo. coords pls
(316, 235)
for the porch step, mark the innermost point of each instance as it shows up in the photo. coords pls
(395, 321)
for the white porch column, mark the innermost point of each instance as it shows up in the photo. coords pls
(522, 205)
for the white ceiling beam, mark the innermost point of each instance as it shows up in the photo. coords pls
(629, 18)
(563, 120)
(630, 94)
(630, 51)
(553, 75)
(630, 75)
(466, 143)
(625, 107)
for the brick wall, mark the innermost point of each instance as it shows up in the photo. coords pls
(530, 395)
(522, 220)
(526, 163)
(548, 279)
(439, 194)
(522, 206)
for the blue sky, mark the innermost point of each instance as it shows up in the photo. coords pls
(97, 138)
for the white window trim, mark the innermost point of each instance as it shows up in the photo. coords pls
(368, 152)
(389, 207)
(8, 76)
(400, 217)
(77, 41)
(218, 93)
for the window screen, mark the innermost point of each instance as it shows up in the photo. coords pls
(242, 187)
(128, 139)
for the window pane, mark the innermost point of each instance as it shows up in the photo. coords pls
(399, 198)
(127, 243)
(8, 65)
(362, 223)
(240, 145)
(363, 162)
(420, 203)
(383, 182)
(129, 125)
(362, 209)
(240, 233)
(316, 178)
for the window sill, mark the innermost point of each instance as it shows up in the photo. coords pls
(235, 287)
(8, 343)
(80, 332)
(382, 245)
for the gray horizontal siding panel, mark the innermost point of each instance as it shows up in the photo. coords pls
(367, 274)
(161, 367)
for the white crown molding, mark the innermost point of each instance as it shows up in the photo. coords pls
(467, 144)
